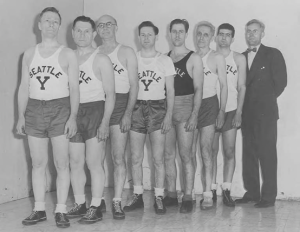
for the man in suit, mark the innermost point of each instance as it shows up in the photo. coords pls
(266, 80)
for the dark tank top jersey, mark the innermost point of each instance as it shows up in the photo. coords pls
(183, 83)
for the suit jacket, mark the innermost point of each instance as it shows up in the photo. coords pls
(265, 81)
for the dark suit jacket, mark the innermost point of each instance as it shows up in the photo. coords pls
(265, 81)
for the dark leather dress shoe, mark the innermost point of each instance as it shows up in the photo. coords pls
(264, 204)
(245, 200)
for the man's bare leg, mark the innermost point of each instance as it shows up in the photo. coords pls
(137, 141)
(170, 168)
(215, 150)
(206, 140)
(39, 156)
(60, 147)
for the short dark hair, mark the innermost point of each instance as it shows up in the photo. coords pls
(148, 24)
(85, 19)
(228, 27)
(180, 21)
(50, 9)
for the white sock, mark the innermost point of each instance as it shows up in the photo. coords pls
(214, 186)
(207, 194)
(117, 199)
(96, 201)
(138, 189)
(39, 206)
(61, 208)
(102, 198)
(79, 199)
(226, 185)
(159, 192)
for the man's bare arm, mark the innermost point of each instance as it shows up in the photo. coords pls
(108, 82)
(23, 93)
(241, 87)
(221, 71)
(132, 68)
(198, 78)
(167, 122)
(73, 73)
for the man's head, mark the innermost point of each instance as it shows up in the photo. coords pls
(106, 26)
(83, 31)
(148, 34)
(178, 31)
(50, 21)
(254, 32)
(225, 35)
(204, 34)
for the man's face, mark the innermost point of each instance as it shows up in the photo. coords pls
(254, 34)
(106, 27)
(204, 36)
(224, 38)
(178, 35)
(49, 24)
(83, 34)
(147, 37)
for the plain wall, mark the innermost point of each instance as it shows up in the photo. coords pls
(282, 19)
(19, 32)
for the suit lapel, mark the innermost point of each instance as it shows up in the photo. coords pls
(255, 64)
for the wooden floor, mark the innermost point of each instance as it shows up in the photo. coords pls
(285, 216)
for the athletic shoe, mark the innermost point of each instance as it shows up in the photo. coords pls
(135, 203)
(93, 214)
(61, 220)
(159, 205)
(103, 206)
(77, 211)
(227, 200)
(186, 206)
(170, 201)
(214, 198)
(35, 217)
(117, 211)
(206, 203)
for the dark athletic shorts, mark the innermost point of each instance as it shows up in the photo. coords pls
(148, 116)
(183, 107)
(89, 118)
(120, 107)
(47, 119)
(208, 112)
(228, 121)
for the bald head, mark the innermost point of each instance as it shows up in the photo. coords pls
(106, 18)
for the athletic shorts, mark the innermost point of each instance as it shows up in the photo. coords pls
(120, 107)
(228, 121)
(183, 107)
(148, 116)
(47, 119)
(208, 112)
(89, 118)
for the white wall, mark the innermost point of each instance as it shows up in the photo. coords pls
(282, 19)
(19, 32)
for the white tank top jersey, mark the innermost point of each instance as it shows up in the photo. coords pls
(121, 74)
(152, 73)
(47, 79)
(91, 88)
(210, 79)
(232, 80)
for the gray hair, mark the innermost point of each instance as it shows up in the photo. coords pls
(207, 24)
(260, 23)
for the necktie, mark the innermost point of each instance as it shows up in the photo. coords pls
(251, 50)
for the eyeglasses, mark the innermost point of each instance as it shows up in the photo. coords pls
(107, 25)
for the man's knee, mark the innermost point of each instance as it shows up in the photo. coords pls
(39, 164)
(229, 152)
(118, 160)
(158, 161)
(62, 165)
(76, 163)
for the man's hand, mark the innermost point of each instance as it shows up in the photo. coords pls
(103, 132)
(191, 124)
(166, 125)
(70, 127)
(237, 120)
(21, 126)
(220, 119)
(125, 124)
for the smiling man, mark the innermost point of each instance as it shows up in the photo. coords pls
(97, 99)
(152, 115)
(48, 102)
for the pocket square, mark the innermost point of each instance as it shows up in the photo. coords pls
(262, 67)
